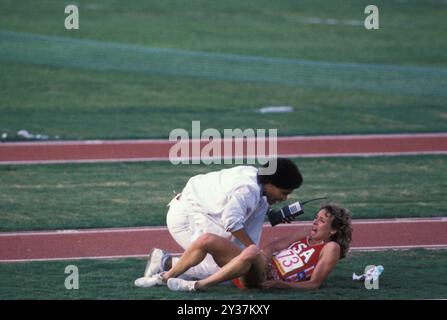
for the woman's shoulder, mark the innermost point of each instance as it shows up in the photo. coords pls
(330, 250)
(331, 246)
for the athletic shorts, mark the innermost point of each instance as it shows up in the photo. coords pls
(272, 274)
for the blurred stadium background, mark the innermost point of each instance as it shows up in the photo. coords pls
(139, 69)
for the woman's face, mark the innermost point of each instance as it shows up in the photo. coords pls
(321, 227)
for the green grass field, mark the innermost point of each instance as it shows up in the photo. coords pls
(132, 194)
(412, 274)
(129, 90)
(139, 69)
(136, 194)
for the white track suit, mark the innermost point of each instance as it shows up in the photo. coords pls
(218, 202)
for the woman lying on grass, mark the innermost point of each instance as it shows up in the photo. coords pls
(300, 261)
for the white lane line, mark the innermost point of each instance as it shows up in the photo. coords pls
(291, 138)
(23, 162)
(297, 155)
(364, 154)
(81, 231)
(162, 228)
(76, 258)
(372, 248)
(332, 21)
(84, 142)
(367, 136)
(407, 247)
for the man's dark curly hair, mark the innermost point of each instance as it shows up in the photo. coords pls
(286, 176)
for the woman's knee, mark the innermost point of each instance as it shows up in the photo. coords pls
(206, 240)
(250, 253)
(256, 273)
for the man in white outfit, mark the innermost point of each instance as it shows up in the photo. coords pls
(231, 203)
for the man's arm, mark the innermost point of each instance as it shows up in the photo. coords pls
(243, 237)
(233, 216)
(327, 262)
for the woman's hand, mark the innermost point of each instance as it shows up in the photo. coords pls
(271, 284)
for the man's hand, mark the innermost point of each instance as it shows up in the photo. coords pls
(288, 219)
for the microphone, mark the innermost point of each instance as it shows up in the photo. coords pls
(292, 211)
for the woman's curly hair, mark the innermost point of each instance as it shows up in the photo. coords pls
(341, 221)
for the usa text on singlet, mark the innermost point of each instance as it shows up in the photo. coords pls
(298, 261)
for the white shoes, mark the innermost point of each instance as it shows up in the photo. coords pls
(147, 282)
(157, 258)
(177, 284)
(155, 269)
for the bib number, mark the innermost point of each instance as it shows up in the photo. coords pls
(290, 260)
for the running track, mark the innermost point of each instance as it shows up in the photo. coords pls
(150, 150)
(136, 242)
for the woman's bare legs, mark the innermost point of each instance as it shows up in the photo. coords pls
(222, 250)
(250, 259)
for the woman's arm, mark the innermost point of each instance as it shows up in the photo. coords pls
(284, 242)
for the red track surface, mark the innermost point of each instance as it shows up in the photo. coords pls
(108, 243)
(146, 150)
(371, 234)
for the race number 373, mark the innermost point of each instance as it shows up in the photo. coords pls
(291, 260)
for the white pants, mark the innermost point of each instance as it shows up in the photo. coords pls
(185, 226)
